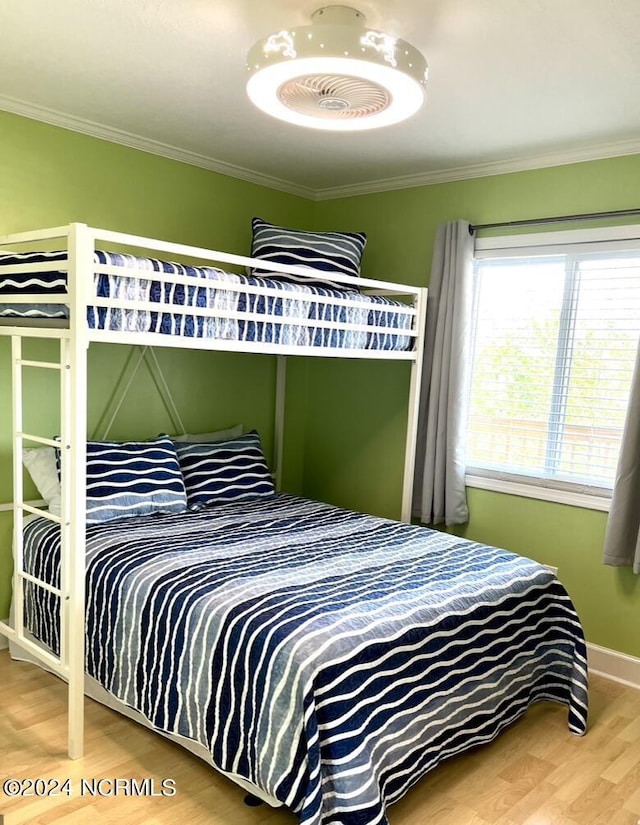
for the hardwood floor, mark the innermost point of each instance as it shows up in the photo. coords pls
(536, 773)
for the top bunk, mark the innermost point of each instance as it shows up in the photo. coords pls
(104, 286)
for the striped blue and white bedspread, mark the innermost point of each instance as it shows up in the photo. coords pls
(329, 657)
(293, 303)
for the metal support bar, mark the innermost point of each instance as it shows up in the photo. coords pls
(278, 438)
(135, 359)
(40, 583)
(45, 365)
(37, 511)
(74, 435)
(129, 372)
(18, 488)
(413, 409)
(153, 365)
(35, 503)
(37, 439)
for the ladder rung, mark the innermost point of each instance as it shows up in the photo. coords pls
(45, 585)
(52, 661)
(38, 439)
(37, 511)
(47, 365)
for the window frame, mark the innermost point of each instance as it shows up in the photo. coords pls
(607, 239)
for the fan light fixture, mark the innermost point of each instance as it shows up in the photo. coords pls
(336, 74)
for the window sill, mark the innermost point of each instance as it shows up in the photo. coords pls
(513, 488)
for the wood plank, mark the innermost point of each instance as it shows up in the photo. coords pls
(535, 773)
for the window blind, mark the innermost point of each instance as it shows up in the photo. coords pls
(555, 337)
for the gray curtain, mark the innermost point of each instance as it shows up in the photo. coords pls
(622, 537)
(439, 493)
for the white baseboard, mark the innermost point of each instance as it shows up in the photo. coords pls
(611, 664)
(4, 642)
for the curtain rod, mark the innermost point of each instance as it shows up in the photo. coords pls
(589, 216)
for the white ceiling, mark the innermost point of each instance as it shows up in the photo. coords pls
(513, 84)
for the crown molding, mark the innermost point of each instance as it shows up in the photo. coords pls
(154, 147)
(600, 151)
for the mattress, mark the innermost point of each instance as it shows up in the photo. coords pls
(326, 657)
(283, 311)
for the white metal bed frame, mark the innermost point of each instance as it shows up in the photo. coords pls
(79, 241)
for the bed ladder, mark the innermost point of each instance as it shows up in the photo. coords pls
(69, 664)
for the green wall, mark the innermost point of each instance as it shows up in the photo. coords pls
(347, 419)
(51, 177)
(362, 437)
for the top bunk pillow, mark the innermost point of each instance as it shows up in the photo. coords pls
(224, 470)
(337, 252)
(133, 478)
(32, 283)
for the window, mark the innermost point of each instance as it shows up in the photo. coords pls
(555, 335)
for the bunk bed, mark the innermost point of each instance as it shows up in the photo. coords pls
(322, 659)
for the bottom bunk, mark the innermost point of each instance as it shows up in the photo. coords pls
(326, 658)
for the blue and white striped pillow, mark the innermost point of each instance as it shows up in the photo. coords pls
(338, 252)
(133, 478)
(224, 470)
(31, 283)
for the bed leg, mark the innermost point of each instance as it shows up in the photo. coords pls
(252, 801)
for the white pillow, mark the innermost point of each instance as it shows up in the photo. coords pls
(206, 438)
(41, 464)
